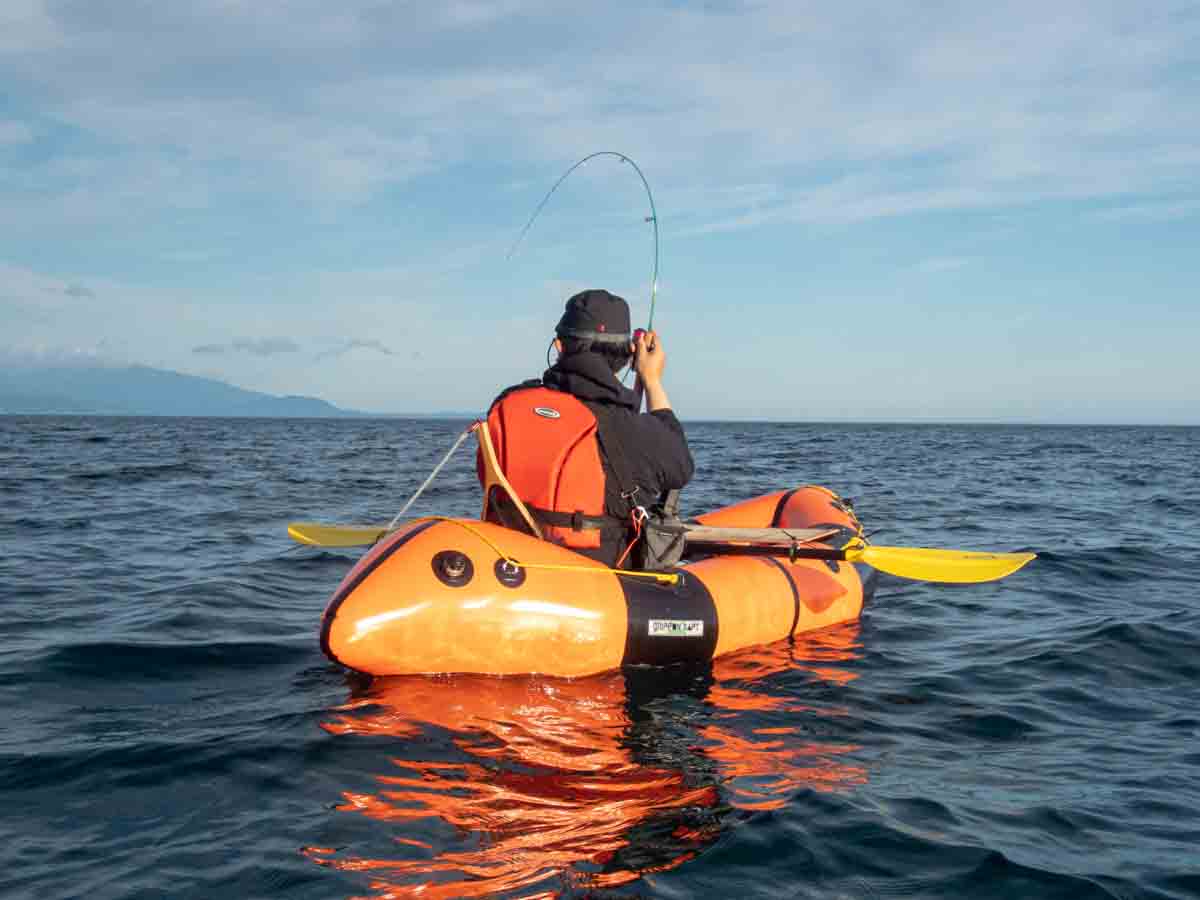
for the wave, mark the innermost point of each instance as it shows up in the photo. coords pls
(905, 847)
(1116, 564)
(168, 661)
(1149, 651)
(1062, 448)
(167, 694)
(132, 474)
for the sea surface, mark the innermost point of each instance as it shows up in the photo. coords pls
(171, 728)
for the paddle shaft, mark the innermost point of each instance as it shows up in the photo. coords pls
(918, 563)
(791, 551)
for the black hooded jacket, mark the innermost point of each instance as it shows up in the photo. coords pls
(653, 444)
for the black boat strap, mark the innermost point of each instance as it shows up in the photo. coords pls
(576, 521)
(614, 449)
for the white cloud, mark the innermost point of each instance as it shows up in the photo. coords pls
(937, 264)
(413, 335)
(1150, 211)
(36, 354)
(26, 289)
(350, 344)
(990, 107)
(14, 132)
(27, 26)
(344, 161)
(225, 135)
(267, 346)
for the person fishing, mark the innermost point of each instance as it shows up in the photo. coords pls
(573, 444)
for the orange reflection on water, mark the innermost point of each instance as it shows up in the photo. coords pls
(531, 786)
(763, 766)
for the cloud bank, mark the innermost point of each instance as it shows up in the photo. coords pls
(270, 346)
(896, 179)
(840, 113)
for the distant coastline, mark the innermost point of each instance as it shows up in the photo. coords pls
(145, 391)
(342, 414)
(74, 390)
(459, 416)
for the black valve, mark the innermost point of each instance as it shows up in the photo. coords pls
(453, 567)
(509, 573)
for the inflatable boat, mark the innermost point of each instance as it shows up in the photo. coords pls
(447, 595)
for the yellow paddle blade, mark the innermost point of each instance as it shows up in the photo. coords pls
(335, 535)
(950, 566)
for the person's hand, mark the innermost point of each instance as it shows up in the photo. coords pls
(649, 359)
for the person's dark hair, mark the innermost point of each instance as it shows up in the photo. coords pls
(618, 356)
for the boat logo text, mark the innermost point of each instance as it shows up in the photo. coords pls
(676, 628)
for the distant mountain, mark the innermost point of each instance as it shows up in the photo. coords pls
(143, 391)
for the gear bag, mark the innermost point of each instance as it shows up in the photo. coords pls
(663, 537)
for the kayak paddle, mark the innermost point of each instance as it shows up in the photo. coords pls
(918, 563)
(319, 535)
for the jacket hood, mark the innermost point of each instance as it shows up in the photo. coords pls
(588, 377)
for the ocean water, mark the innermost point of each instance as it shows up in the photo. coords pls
(171, 728)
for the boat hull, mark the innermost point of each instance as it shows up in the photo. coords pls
(563, 614)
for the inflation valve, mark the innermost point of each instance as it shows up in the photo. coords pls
(453, 567)
(509, 573)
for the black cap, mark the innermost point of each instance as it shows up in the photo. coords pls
(596, 316)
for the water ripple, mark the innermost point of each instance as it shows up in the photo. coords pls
(173, 730)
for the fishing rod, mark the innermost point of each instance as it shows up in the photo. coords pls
(652, 219)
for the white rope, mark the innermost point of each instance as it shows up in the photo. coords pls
(432, 475)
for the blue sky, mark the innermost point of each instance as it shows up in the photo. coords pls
(868, 211)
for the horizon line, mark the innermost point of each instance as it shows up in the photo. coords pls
(456, 416)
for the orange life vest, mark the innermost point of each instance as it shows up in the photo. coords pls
(546, 444)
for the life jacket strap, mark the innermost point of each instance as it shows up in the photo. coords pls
(610, 439)
(577, 521)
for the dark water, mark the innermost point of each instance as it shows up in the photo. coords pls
(172, 730)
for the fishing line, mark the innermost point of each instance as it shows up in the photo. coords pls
(652, 218)
(432, 475)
